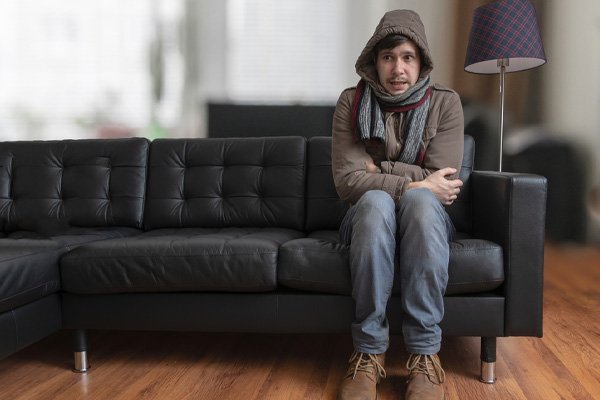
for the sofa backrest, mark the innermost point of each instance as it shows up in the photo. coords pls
(325, 210)
(226, 182)
(460, 210)
(50, 186)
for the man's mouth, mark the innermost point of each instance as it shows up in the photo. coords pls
(398, 84)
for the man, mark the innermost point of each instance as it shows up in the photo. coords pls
(396, 152)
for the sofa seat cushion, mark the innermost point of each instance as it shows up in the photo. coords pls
(29, 261)
(321, 263)
(28, 271)
(170, 260)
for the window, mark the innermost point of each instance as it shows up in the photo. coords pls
(110, 68)
(284, 51)
(70, 68)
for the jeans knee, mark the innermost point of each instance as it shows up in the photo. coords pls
(419, 197)
(377, 197)
(422, 216)
(420, 203)
(377, 203)
(375, 209)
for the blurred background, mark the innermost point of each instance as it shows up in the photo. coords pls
(198, 68)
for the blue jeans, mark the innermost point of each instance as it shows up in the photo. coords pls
(421, 230)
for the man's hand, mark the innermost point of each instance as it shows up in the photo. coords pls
(445, 190)
(370, 165)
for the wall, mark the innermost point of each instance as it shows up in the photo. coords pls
(570, 90)
(571, 79)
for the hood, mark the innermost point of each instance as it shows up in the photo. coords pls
(403, 22)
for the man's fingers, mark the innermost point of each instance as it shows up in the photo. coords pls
(447, 171)
(457, 182)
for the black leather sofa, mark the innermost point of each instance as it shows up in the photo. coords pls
(233, 234)
(55, 196)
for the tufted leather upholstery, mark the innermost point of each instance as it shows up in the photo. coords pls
(55, 196)
(460, 210)
(52, 186)
(324, 208)
(214, 183)
(217, 212)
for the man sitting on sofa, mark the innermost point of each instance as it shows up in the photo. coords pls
(396, 152)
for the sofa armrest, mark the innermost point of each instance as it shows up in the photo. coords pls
(510, 209)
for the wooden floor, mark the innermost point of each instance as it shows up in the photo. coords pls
(564, 364)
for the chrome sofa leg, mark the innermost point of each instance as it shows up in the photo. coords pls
(81, 361)
(488, 372)
(488, 360)
(80, 348)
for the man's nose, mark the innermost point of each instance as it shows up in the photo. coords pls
(398, 67)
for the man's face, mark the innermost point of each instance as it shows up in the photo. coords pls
(398, 69)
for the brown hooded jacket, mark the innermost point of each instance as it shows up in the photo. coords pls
(442, 135)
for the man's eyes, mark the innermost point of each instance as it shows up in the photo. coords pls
(407, 57)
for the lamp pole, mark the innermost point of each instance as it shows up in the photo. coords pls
(502, 63)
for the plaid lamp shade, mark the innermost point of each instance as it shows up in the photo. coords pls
(504, 29)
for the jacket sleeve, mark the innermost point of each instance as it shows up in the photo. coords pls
(349, 160)
(446, 146)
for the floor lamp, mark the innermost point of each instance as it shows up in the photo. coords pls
(504, 37)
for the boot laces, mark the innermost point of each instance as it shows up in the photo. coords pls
(427, 365)
(368, 363)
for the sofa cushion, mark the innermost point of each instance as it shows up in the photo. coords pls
(169, 260)
(217, 183)
(324, 208)
(321, 263)
(29, 261)
(460, 210)
(28, 270)
(51, 186)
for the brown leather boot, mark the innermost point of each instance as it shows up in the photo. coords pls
(425, 378)
(364, 373)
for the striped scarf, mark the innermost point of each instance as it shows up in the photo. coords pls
(367, 119)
